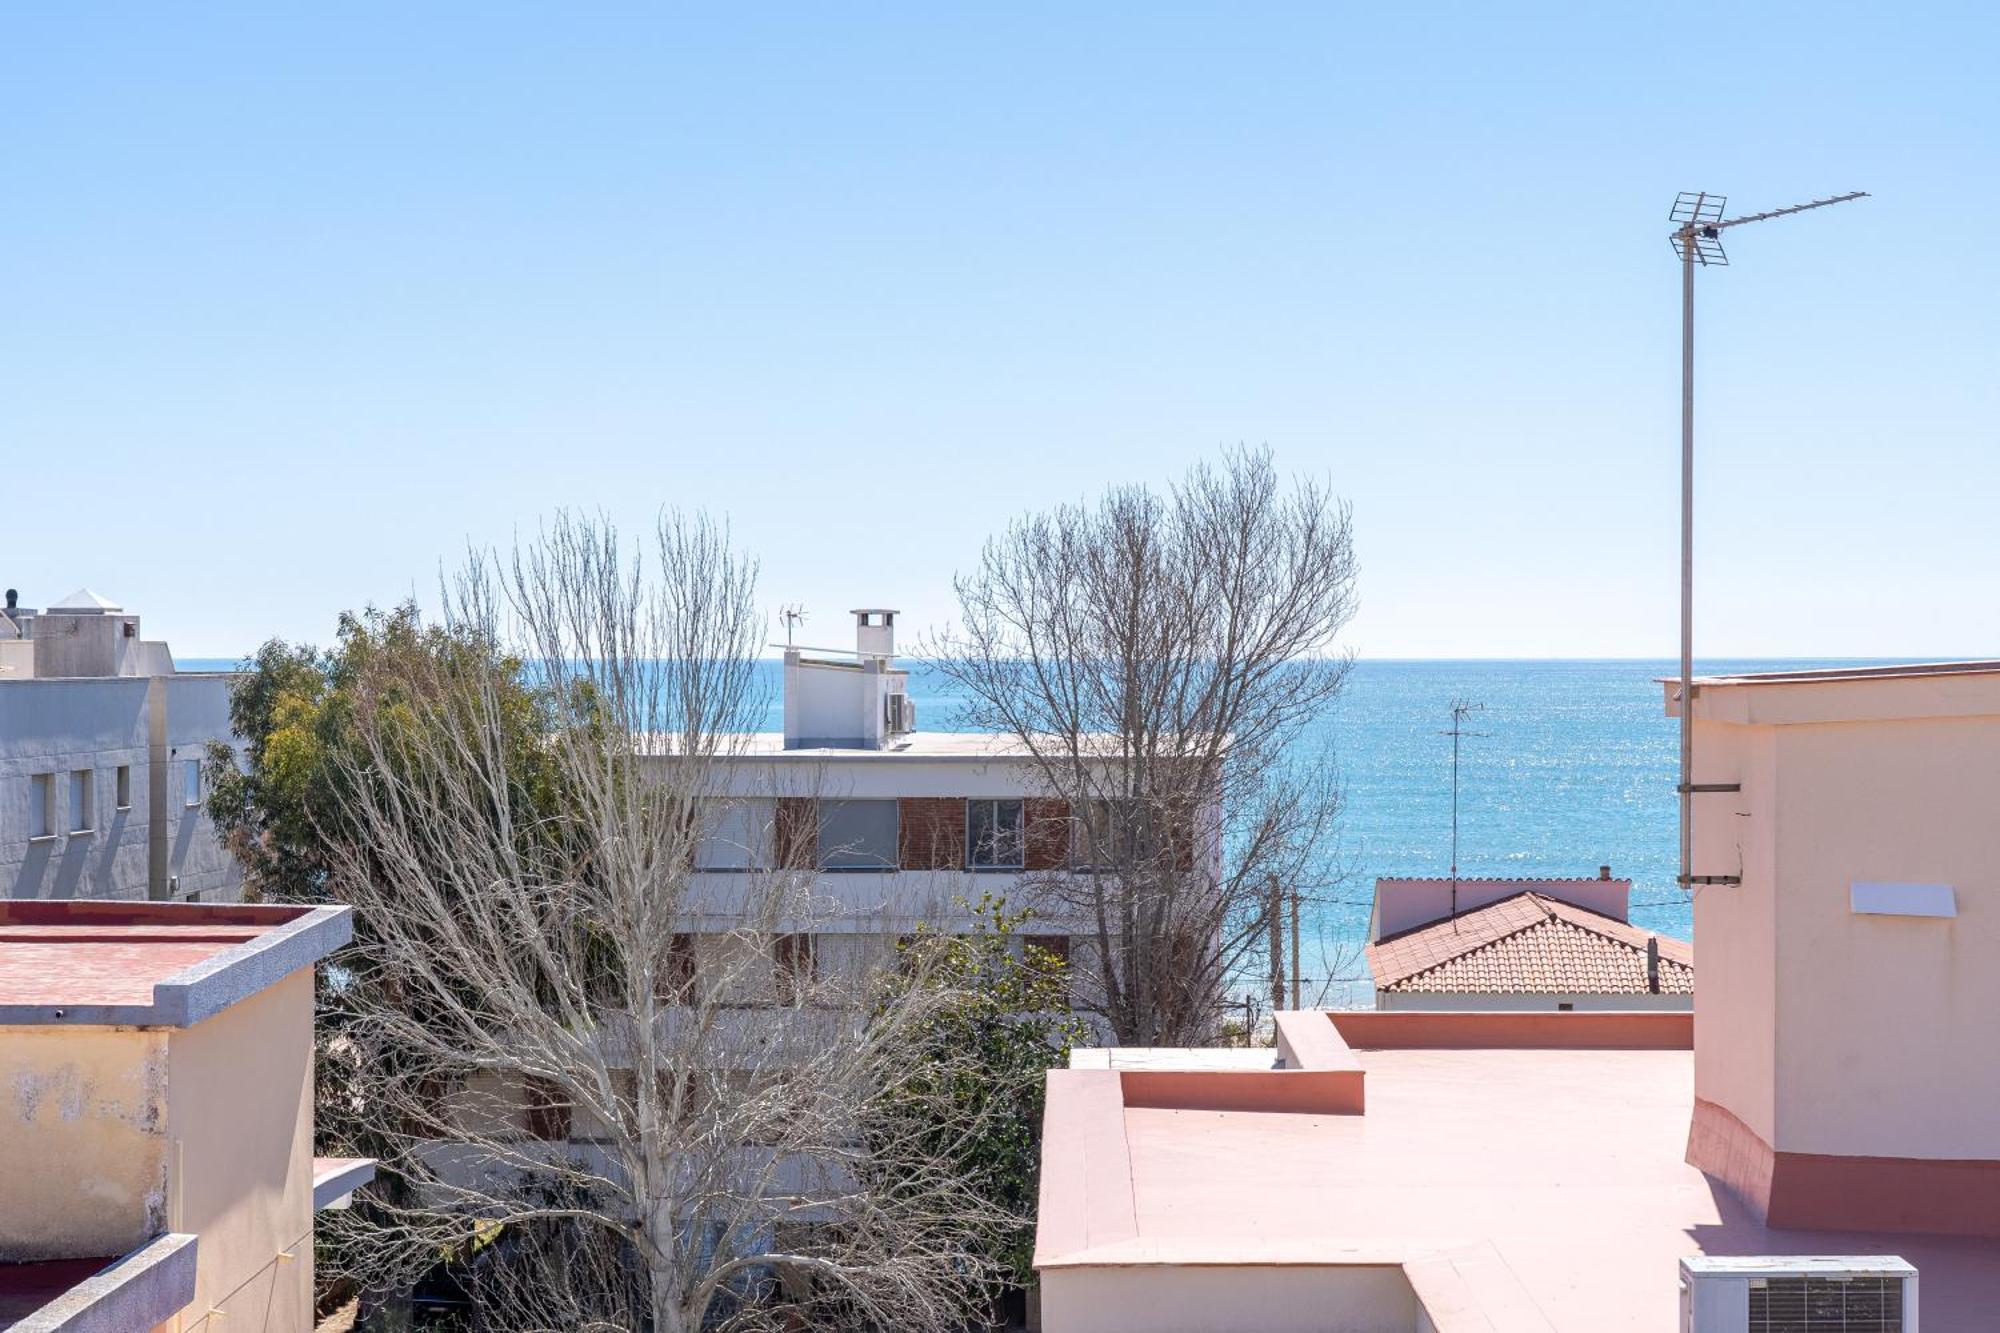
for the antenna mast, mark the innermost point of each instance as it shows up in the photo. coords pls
(794, 615)
(1461, 709)
(1697, 239)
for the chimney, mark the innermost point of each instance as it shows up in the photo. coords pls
(1653, 964)
(1604, 872)
(875, 632)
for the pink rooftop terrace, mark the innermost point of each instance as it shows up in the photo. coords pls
(1524, 1170)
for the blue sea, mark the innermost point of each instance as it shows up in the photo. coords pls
(1571, 766)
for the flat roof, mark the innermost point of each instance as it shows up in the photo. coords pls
(27, 1287)
(965, 745)
(84, 962)
(1564, 1166)
(1826, 675)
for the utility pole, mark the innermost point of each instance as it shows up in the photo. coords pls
(1276, 911)
(1697, 239)
(1461, 709)
(1298, 1001)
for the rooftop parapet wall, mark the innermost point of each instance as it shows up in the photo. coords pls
(1405, 904)
(126, 964)
(1469, 1030)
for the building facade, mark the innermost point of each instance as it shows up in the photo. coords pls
(1847, 1061)
(103, 758)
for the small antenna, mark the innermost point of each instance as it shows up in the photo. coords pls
(1461, 709)
(794, 615)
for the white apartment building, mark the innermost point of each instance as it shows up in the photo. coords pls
(102, 756)
(905, 829)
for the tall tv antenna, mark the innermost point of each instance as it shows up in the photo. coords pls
(1697, 239)
(1461, 709)
(794, 615)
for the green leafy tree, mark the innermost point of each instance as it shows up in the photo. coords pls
(297, 709)
(982, 1063)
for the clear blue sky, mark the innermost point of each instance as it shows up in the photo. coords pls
(298, 299)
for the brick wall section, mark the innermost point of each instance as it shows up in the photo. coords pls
(795, 830)
(1046, 826)
(930, 832)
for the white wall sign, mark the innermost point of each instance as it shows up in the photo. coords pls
(1870, 897)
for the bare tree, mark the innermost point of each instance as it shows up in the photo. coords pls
(1165, 658)
(619, 1104)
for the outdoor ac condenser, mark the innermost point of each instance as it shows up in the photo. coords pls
(1788, 1293)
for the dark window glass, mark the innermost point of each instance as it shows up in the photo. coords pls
(993, 835)
(793, 966)
(857, 835)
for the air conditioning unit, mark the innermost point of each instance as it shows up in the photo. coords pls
(901, 714)
(1790, 1293)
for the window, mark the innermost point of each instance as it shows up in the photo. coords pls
(857, 835)
(548, 1113)
(42, 805)
(81, 798)
(735, 835)
(1055, 946)
(1564, 1006)
(1103, 836)
(124, 786)
(793, 967)
(993, 835)
(678, 984)
(191, 771)
(1133, 834)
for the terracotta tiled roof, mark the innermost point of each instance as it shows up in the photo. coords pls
(1528, 943)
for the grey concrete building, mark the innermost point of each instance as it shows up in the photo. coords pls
(103, 757)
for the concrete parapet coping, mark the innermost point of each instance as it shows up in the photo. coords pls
(145, 1289)
(1540, 1030)
(285, 939)
(335, 1178)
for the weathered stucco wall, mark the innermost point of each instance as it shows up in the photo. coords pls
(240, 1113)
(83, 1141)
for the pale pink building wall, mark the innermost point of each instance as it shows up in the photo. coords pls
(1889, 1028)
(1824, 1031)
(1161, 1298)
(1735, 996)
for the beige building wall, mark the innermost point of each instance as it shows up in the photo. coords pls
(83, 1142)
(239, 1117)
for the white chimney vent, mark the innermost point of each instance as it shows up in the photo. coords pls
(874, 632)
